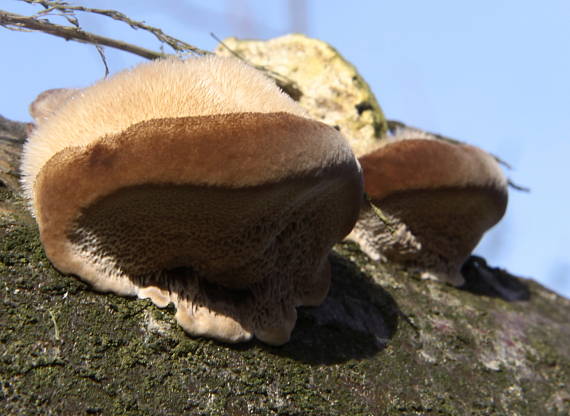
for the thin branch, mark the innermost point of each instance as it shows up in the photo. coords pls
(518, 187)
(14, 21)
(74, 21)
(101, 52)
(65, 8)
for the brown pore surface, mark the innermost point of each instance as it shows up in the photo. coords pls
(227, 236)
(448, 223)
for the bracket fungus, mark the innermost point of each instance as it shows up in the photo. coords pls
(48, 102)
(197, 183)
(429, 203)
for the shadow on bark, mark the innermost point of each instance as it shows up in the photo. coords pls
(357, 320)
(481, 279)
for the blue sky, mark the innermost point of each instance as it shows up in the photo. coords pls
(494, 73)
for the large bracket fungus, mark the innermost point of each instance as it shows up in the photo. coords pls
(196, 183)
(429, 203)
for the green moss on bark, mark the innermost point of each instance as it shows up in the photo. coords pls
(384, 342)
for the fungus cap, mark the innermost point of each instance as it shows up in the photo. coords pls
(439, 197)
(49, 102)
(197, 183)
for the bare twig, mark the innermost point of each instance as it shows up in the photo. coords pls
(101, 52)
(65, 9)
(75, 22)
(518, 187)
(17, 22)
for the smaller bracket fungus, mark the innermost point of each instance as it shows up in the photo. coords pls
(197, 183)
(429, 203)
